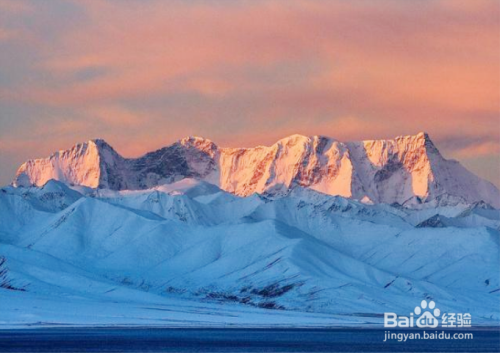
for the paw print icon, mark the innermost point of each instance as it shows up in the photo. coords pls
(427, 319)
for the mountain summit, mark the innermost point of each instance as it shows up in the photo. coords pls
(404, 170)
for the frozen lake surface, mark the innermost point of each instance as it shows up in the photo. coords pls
(233, 340)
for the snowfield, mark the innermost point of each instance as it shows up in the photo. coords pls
(307, 232)
(191, 254)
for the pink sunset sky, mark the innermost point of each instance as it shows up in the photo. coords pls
(142, 74)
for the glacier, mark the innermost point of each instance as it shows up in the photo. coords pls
(188, 236)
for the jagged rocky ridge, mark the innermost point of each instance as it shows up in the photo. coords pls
(407, 170)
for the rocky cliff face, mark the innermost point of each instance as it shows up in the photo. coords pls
(80, 165)
(406, 170)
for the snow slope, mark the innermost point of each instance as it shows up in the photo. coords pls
(406, 170)
(189, 253)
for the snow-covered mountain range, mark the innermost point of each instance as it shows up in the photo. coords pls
(307, 232)
(403, 170)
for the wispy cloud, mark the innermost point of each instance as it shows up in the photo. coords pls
(15, 6)
(145, 73)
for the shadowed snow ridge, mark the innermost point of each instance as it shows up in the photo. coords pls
(203, 256)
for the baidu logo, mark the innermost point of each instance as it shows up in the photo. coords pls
(428, 318)
(427, 315)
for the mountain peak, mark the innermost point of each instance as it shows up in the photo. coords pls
(198, 143)
(420, 140)
(421, 136)
(295, 137)
(194, 140)
(431, 147)
(98, 141)
(384, 171)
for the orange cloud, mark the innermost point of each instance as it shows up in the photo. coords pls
(390, 54)
(481, 149)
(15, 6)
(5, 34)
(251, 72)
